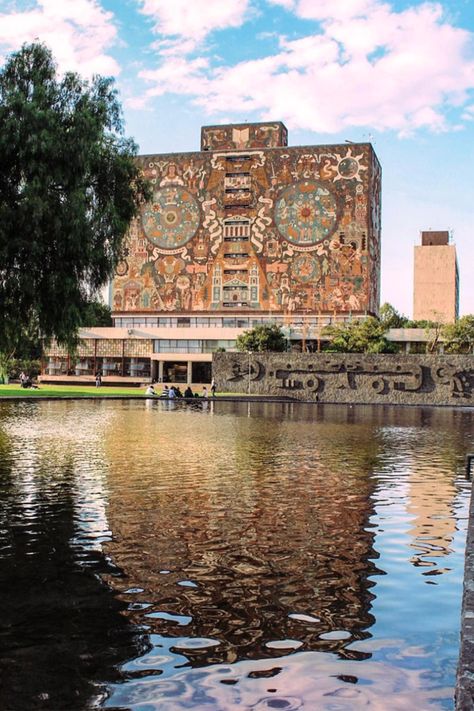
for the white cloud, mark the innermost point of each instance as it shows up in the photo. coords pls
(364, 64)
(79, 32)
(468, 114)
(195, 19)
(334, 9)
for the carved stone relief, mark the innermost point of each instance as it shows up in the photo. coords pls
(349, 378)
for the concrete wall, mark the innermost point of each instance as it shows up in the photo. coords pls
(434, 292)
(349, 378)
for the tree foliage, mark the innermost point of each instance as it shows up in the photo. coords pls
(69, 187)
(391, 318)
(96, 313)
(262, 338)
(458, 337)
(358, 336)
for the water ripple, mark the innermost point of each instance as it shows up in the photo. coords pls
(169, 558)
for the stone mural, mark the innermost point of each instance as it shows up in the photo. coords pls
(349, 378)
(250, 224)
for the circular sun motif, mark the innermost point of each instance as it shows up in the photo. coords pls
(122, 268)
(348, 167)
(172, 218)
(306, 213)
(305, 268)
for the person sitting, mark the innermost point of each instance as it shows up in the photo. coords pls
(26, 382)
(166, 392)
(150, 391)
(188, 392)
(172, 393)
(178, 391)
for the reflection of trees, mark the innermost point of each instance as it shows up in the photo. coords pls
(62, 631)
(270, 518)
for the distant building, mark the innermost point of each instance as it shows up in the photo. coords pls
(245, 231)
(436, 279)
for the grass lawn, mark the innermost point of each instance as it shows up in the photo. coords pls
(15, 390)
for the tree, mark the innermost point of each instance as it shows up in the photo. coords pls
(69, 187)
(459, 336)
(262, 338)
(391, 318)
(359, 336)
(96, 313)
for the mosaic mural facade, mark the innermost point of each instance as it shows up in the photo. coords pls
(249, 224)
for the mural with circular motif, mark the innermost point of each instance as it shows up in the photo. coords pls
(305, 268)
(306, 213)
(172, 218)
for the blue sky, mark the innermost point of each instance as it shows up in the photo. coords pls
(398, 73)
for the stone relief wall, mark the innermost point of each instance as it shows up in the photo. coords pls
(349, 378)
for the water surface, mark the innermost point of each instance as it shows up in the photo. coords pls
(157, 556)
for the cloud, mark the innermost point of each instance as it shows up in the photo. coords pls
(79, 32)
(361, 64)
(327, 9)
(196, 19)
(468, 114)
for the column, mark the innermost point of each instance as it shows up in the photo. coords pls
(189, 376)
(160, 371)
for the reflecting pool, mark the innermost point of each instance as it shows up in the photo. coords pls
(159, 556)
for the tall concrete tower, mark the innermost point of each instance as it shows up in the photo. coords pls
(436, 279)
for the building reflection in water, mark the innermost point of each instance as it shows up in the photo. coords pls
(248, 535)
(170, 557)
(255, 555)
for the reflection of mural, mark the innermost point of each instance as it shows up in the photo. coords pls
(254, 225)
(253, 556)
(409, 380)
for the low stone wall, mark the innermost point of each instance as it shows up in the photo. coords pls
(349, 378)
(465, 672)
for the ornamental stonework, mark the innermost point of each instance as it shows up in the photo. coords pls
(349, 377)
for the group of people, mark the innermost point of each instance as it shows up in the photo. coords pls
(173, 392)
(26, 381)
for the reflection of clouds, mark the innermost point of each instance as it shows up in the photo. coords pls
(310, 680)
(61, 445)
